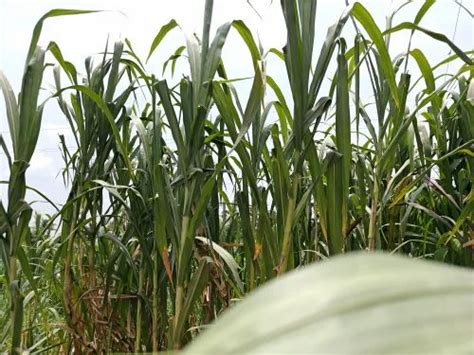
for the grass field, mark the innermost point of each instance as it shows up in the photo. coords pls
(183, 197)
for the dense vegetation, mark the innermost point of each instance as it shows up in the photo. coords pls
(156, 239)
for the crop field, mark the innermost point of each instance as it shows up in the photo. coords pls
(186, 194)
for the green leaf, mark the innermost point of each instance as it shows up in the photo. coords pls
(337, 306)
(173, 58)
(39, 26)
(343, 131)
(325, 56)
(12, 110)
(438, 36)
(334, 203)
(246, 35)
(160, 36)
(113, 74)
(26, 268)
(164, 92)
(213, 57)
(101, 104)
(425, 69)
(123, 249)
(366, 20)
(29, 121)
(195, 288)
(423, 10)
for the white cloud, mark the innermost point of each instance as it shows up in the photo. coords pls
(41, 163)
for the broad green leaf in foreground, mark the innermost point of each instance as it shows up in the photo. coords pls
(354, 304)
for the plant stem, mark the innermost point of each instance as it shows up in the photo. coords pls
(373, 214)
(285, 249)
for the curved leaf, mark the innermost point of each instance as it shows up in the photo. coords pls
(160, 36)
(438, 36)
(345, 305)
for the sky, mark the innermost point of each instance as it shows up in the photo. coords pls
(140, 20)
